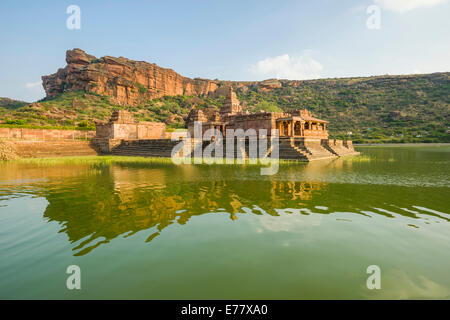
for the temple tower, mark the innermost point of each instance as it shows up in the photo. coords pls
(231, 104)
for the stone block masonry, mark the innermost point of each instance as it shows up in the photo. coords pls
(45, 134)
(123, 126)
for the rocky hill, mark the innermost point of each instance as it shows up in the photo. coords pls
(125, 81)
(11, 103)
(412, 108)
(408, 108)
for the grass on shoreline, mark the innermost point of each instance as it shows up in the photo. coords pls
(106, 160)
(163, 161)
(132, 160)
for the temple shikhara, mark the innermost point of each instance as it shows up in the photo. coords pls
(301, 136)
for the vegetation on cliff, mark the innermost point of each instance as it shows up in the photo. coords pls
(413, 108)
(8, 103)
(125, 81)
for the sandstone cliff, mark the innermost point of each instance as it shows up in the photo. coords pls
(127, 82)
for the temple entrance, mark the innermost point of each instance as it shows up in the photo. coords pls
(297, 128)
(285, 129)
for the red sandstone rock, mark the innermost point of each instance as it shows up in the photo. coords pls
(127, 82)
(270, 84)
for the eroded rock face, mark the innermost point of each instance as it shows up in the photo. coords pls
(270, 84)
(127, 82)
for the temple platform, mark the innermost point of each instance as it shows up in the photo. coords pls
(289, 148)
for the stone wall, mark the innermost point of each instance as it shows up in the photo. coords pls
(127, 131)
(105, 146)
(256, 121)
(151, 130)
(45, 134)
(122, 126)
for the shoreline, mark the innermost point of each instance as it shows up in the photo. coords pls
(430, 144)
(136, 160)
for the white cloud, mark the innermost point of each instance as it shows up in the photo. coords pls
(289, 220)
(30, 85)
(406, 5)
(397, 284)
(300, 67)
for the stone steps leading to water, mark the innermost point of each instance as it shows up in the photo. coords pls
(288, 148)
(56, 148)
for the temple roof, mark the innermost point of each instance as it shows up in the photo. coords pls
(300, 118)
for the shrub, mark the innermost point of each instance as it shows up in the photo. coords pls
(16, 122)
(142, 89)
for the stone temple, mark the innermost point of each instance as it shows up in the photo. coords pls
(301, 136)
(289, 124)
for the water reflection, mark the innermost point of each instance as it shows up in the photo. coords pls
(95, 204)
(123, 201)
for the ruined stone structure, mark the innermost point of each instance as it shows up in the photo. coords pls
(122, 126)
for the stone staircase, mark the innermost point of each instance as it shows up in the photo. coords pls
(339, 147)
(145, 148)
(53, 148)
(316, 149)
(287, 150)
(303, 150)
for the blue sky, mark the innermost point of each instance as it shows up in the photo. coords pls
(228, 40)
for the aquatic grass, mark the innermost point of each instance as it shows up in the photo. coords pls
(358, 158)
(78, 160)
(142, 161)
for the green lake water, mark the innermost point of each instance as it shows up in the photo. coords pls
(160, 231)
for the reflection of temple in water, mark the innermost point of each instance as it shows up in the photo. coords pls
(121, 201)
(297, 190)
(95, 204)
